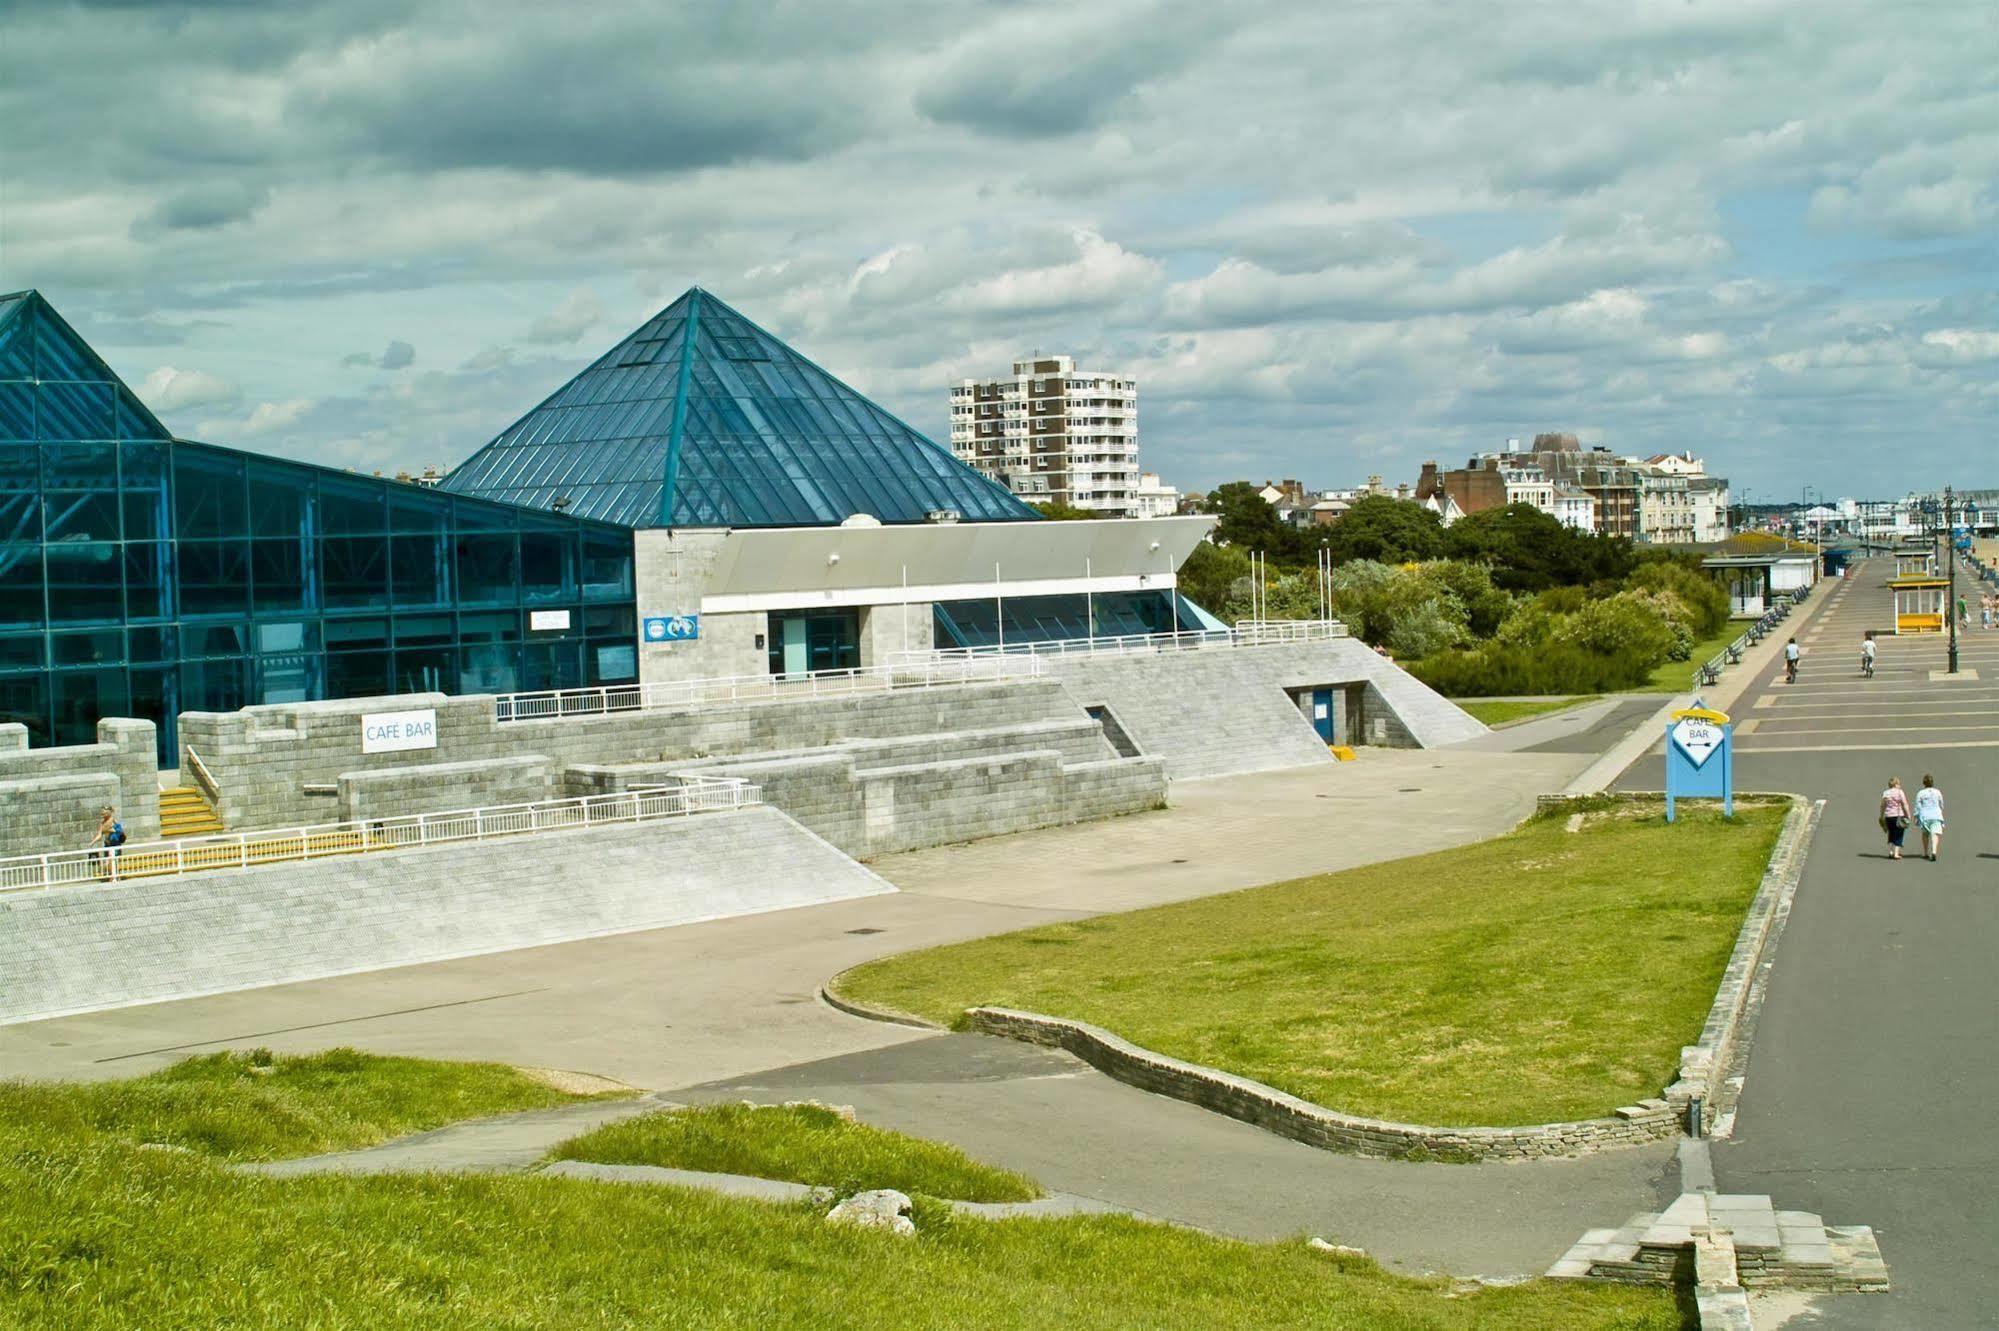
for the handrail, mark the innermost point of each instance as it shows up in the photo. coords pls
(243, 850)
(1246, 633)
(918, 672)
(203, 778)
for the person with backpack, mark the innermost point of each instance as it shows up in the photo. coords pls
(110, 835)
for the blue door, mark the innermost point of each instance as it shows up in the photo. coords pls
(1322, 713)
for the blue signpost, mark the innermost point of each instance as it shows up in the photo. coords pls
(1700, 758)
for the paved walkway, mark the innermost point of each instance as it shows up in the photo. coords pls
(1874, 1075)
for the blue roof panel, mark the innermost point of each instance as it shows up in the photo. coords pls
(701, 418)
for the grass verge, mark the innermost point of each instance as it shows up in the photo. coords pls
(98, 1233)
(798, 1144)
(1498, 711)
(256, 1106)
(1538, 977)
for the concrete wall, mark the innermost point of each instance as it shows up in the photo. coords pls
(105, 946)
(397, 792)
(873, 797)
(264, 758)
(1218, 710)
(42, 808)
(670, 569)
(888, 629)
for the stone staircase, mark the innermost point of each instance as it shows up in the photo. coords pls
(1772, 1249)
(184, 813)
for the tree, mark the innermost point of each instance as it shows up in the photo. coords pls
(1393, 531)
(1249, 522)
(1210, 573)
(1057, 511)
(1530, 551)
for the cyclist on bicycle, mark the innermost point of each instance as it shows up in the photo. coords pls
(1791, 661)
(1867, 655)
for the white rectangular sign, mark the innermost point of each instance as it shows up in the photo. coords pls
(548, 619)
(392, 732)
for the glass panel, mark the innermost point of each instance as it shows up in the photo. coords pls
(609, 621)
(490, 627)
(426, 670)
(79, 466)
(214, 577)
(159, 644)
(146, 515)
(423, 630)
(421, 570)
(147, 582)
(82, 517)
(79, 699)
(278, 502)
(20, 518)
(98, 647)
(486, 570)
(551, 665)
(201, 640)
(488, 670)
(419, 511)
(219, 685)
(20, 467)
(277, 574)
(547, 572)
(352, 507)
(369, 631)
(355, 572)
(23, 653)
(613, 663)
(25, 699)
(17, 411)
(208, 495)
(356, 674)
(86, 583)
(21, 586)
(156, 698)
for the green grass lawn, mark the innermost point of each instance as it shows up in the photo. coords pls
(1497, 711)
(798, 1144)
(1540, 976)
(1678, 676)
(97, 1232)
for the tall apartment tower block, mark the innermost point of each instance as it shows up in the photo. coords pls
(1053, 433)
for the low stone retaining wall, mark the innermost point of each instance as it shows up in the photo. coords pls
(1286, 1115)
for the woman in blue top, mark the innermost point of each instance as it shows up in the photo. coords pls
(1929, 815)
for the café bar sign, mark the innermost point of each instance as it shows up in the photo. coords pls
(394, 732)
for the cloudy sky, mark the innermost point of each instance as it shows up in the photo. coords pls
(1329, 238)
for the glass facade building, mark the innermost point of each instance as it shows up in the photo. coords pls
(143, 575)
(702, 419)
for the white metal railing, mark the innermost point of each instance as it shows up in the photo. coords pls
(917, 672)
(204, 780)
(1246, 633)
(243, 850)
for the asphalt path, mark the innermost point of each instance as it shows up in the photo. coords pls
(1872, 1091)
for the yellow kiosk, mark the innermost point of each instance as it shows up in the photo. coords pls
(1919, 603)
(1916, 564)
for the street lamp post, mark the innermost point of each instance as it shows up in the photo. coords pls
(1950, 556)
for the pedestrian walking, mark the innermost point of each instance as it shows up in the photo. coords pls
(1929, 816)
(1895, 815)
(110, 835)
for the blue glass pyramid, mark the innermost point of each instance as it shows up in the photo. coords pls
(702, 419)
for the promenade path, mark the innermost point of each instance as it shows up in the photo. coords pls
(1872, 1093)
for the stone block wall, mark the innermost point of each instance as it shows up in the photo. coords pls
(146, 940)
(126, 769)
(265, 758)
(428, 787)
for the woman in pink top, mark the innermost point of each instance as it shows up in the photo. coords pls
(1895, 815)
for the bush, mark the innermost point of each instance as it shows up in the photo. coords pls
(1556, 668)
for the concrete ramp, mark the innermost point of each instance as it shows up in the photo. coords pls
(1216, 711)
(85, 949)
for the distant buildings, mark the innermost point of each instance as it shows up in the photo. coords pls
(1053, 434)
(1668, 499)
(1152, 499)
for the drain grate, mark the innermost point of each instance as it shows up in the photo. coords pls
(864, 931)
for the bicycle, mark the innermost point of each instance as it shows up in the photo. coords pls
(1790, 670)
(1866, 666)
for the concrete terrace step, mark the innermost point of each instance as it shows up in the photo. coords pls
(1768, 1248)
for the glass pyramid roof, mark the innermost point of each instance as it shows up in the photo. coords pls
(702, 419)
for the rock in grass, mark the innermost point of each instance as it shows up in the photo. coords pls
(1339, 1249)
(881, 1208)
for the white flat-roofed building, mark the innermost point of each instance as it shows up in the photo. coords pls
(1053, 433)
(1152, 498)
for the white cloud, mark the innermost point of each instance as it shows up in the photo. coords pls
(168, 389)
(577, 315)
(271, 417)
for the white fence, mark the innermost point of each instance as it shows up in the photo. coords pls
(919, 671)
(1246, 633)
(243, 850)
